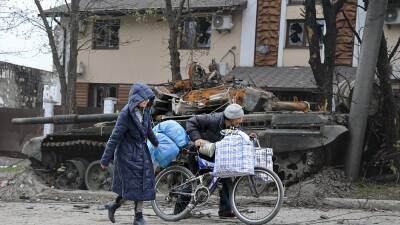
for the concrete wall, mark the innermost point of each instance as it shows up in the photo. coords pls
(143, 53)
(13, 137)
(22, 87)
(392, 33)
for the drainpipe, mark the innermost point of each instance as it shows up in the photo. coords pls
(282, 33)
(48, 106)
(360, 23)
(64, 46)
(248, 35)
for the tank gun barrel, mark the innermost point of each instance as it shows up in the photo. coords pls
(67, 119)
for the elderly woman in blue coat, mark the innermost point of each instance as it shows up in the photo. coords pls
(133, 176)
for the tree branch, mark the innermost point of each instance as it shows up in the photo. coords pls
(66, 3)
(313, 40)
(180, 10)
(394, 50)
(339, 5)
(351, 27)
(53, 47)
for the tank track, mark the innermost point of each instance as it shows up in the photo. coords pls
(58, 156)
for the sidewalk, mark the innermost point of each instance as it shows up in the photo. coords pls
(102, 197)
(63, 213)
(347, 203)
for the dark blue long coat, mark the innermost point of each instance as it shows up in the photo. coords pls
(133, 176)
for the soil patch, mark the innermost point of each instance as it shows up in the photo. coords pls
(18, 181)
(328, 183)
(332, 183)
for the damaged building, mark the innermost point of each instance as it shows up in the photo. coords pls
(22, 87)
(123, 44)
(262, 42)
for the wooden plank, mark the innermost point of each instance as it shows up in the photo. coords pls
(123, 93)
(82, 94)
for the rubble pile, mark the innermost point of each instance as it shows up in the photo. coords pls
(328, 183)
(19, 182)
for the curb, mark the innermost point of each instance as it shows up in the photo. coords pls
(362, 203)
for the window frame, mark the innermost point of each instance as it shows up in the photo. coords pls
(181, 34)
(305, 43)
(110, 23)
(93, 87)
(287, 44)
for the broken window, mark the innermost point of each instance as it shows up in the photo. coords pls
(196, 33)
(296, 36)
(106, 34)
(98, 92)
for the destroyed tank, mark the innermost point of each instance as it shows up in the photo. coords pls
(302, 144)
(302, 141)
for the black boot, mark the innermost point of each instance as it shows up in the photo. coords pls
(139, 220)
(112, 207)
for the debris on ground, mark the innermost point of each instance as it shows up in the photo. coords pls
(81, 206)
(18, 181)
(329, 182)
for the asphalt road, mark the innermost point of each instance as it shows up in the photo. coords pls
(42, 213)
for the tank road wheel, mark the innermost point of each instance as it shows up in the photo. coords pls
(72, 175)
(50, 159)
(97, 179)
(84, 161)
(293, 166)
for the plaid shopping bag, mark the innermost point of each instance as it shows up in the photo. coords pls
(264, 160)
(234, 155)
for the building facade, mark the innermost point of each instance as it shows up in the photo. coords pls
(119, 44)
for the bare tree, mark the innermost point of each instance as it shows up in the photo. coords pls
(323, 70)
(67, 81)
(73, 55)
(174, 18)
(55, 54)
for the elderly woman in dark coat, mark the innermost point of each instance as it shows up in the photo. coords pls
(133, 177)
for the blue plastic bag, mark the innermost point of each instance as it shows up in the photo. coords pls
(174, 131)
(166, 151)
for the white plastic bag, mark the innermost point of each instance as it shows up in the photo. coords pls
(264, 159)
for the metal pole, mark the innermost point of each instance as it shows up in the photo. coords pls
(48, 128)
(363, 85)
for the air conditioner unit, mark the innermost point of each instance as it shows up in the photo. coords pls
(222, 22)
(392, 16)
